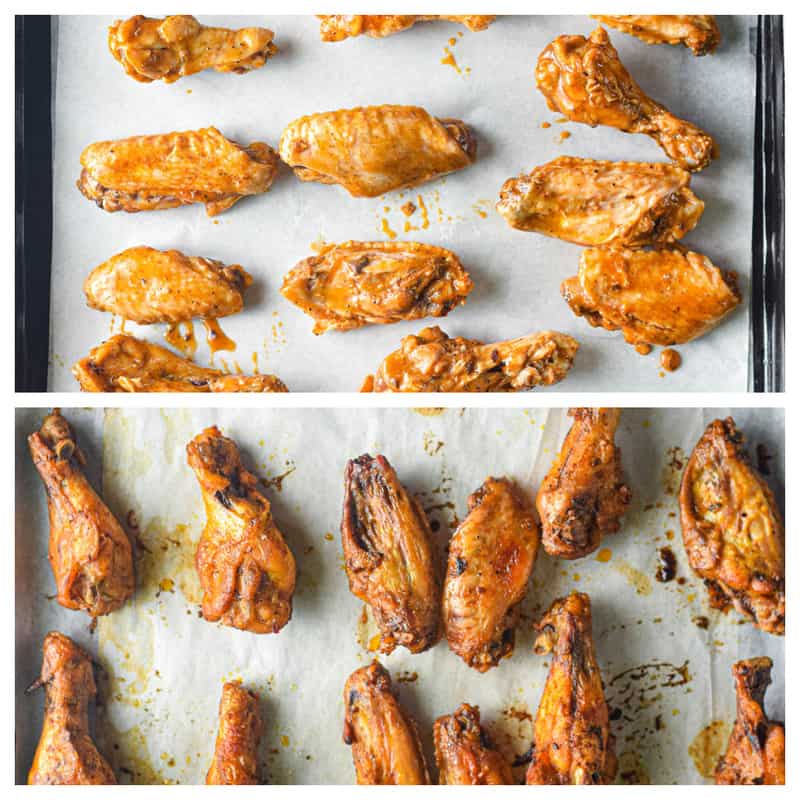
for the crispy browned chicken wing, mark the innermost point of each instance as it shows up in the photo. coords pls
(490, 560)
(384, 739)
(660, 297)
(698, 32)
(170, 48)
(149, 173)
(353, 284)
(433, 362)
(124, 363)
(732, 529)
(583, 495)
(571, 740)
(756, 751)
(146, 286)
(245, 567)
(584, 80)
(337, 27)
(602, 203)
(89, 551)
(371, 151)
(67, 755)
(236, 751)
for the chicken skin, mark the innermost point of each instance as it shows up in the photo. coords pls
(146, 286)
(67, 755)
(433, 362)
(584, 80)
(236, 751)
(385, 743)
(732, 529)
(338, 27)
(572, 744)
(374, 150)
(89, 552)
(245, 567)
(350, 285)
(124, 363)
(602, 203)
(756, 751)
(170, 48)
(698, 32)
(490, 560)
(659, 297)
(150, 173)
(388, 555)
(583, 495)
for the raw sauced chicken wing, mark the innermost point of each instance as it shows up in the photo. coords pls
(732, 529)
(698, 32)
(235, 760)
(337, 27)
(584, 80)
(373, 150)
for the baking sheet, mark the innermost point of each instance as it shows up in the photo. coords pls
(164, 666)
(517, 274)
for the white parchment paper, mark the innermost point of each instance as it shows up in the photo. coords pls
(667, 679)
(517, 275)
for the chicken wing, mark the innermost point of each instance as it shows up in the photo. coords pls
(756, 749)
(433, 362)
(67, 755)
(490, 560)
(698, 32)
(602, 203)
(236, 751)
(124, 363)
(146, 286)
(350, 285)
(660, 297)
(170, 48)
(384, 739)
(371, 151)
(732, 529)
(572, 744)
(245, 567)
(149, 173)
(466, 754)
(584, 80)
(337, 27)
(89, 552)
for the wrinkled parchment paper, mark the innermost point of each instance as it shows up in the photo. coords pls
(668, 678)
(517, 275)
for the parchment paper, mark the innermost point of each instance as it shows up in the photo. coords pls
(517, 275)
(666, 677)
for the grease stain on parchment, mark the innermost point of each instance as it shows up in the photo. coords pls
(635, 577)
(707, 747)
(632, 769)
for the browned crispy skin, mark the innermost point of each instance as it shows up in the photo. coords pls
(385, 743)
(124, 363)
(431, 361)
(66, 755)
(583, 495)
(89, 551)
(337, 27)
(170, 48)
(373, 150)
(490, 560)
(732, 529)
(466, 754)
(602, 203)
(584, 80)
(353, 284)
(698, 32)
(149, 173)
(388, 555)
(245, 567)
(756, 748)
(236, 751)
(658, 297)
(146, 286)
(571, 739)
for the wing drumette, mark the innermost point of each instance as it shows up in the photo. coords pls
(236, 751)
(698, 32)
(337, 27)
